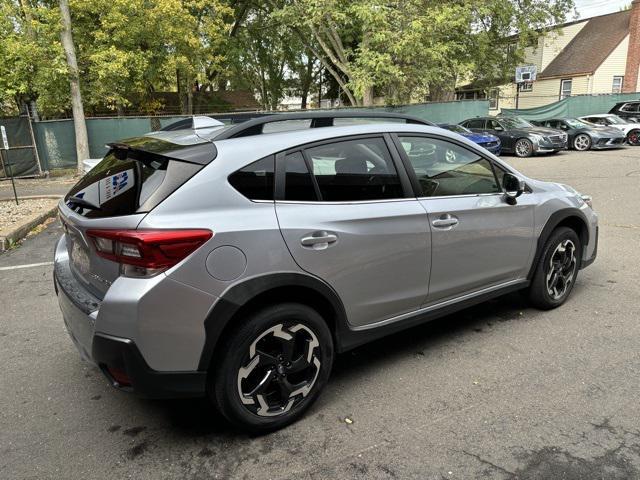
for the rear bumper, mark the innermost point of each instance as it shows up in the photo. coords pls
(110, 353)
(122, 354)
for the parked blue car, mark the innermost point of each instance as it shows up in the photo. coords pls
(485, 140)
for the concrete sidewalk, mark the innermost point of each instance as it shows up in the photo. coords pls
(40, 186)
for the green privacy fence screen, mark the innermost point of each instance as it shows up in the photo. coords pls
(20, 159)
(56, 138)
(576, 106)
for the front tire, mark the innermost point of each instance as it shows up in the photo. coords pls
(523, 148)
(557, 269)
(272, 367)
(582, 142)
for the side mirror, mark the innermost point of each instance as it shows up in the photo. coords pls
(513, 187)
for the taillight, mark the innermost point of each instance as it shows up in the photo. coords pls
(144, 253)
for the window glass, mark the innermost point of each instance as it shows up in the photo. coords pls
(255, 181)
(298, 183)
(355, 170)
(494, 125)
(444, 168)
(630, 107)
(286, 126)
(618, 81)
(565, 89)
(476, 123)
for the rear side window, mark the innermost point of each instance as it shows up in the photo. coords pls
(255, 181)
(355, 170)
(476, 123)
(123, 186)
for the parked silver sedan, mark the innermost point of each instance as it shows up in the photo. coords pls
(586, 136)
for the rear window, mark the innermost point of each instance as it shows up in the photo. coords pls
(134, 184)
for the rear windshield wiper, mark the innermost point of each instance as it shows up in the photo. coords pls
(81, 202)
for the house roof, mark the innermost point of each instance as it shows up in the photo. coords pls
(590, 47)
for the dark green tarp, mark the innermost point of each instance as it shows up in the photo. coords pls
(571, 107)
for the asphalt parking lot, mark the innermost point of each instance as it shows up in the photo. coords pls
(497, 391)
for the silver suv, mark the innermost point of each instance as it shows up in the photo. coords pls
(236, 261)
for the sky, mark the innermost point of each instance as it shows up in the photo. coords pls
(592, 8)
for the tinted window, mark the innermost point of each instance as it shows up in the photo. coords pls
(477, 123)
(255, 181)
(444, 168)
(123, 186)
(298, 183)
(355, 170)
(494, 125)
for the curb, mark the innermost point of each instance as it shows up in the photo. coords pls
(21, 231)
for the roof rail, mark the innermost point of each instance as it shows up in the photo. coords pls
(318, 119)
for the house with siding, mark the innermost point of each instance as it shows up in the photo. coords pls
(598, 55)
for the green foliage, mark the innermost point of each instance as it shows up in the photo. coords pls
(403, 50)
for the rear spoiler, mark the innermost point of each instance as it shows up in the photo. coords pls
(149, 148)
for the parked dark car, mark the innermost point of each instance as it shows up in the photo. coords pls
(518, 136)
(627, 110)
(485, 140)
(586, 136)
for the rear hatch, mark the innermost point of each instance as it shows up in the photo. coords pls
(134, 177)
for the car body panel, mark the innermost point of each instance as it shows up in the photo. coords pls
(382, 272)
(606, 119)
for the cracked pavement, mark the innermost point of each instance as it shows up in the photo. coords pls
(498, 391)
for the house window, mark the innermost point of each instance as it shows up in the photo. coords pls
(494, 96)
(565, 88)
(526, 87)
(618, 81)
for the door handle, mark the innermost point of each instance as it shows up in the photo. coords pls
(445, 221)
(319, 239)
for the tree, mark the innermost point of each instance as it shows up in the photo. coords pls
(79, 124)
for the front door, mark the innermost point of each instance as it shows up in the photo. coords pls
(352, 222)
(478, 240)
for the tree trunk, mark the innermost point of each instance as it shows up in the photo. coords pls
(80, 126)
(367, 97)
(442, 93)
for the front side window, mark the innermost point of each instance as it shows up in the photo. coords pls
(630, 107)
(355, 170)
(445, 169)
(494, 125)
(255, 181)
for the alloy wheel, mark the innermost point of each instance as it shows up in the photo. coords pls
(633, 138)
(523, 148)
(562, 269)
(282, 367)
(582, 142)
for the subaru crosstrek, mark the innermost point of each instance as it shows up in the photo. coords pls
(236, 262)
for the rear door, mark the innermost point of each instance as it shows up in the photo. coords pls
(478, 240)
(348, 216)
(115, 194)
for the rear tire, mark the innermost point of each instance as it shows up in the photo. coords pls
(272, 367)
(557, 269)
(633, 137)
